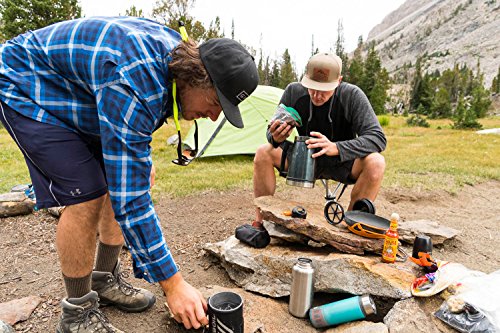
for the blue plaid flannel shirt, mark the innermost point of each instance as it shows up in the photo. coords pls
(103, 76)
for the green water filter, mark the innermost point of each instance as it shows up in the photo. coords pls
(346, 310)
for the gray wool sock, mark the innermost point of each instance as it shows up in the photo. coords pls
(77, 287)
(107, 257)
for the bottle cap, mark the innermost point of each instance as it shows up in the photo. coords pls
(367, 305)
(304, 262)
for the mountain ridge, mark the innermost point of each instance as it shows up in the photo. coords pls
(445, 32)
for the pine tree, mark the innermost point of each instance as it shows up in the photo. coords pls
(375, 81)
(260, 69)
(340, 50)
(495, 85)
(417, 81)
(274, 79)
(448, 80)
(287, 73)
(441, 105)
(480, 101)
(378, 97)
(421, 93)
(371, 70)
(267, 72)
(355, 73)
(19, 16)
(465, 117)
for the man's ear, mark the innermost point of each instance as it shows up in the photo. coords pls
(340, 79)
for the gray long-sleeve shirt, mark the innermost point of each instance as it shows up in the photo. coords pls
(347, 119)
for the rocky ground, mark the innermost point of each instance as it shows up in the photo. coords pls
(29, 265)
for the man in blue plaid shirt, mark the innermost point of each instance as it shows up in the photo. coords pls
(81, 99)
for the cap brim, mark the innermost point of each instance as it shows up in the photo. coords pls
(321, 86)
(231, 111)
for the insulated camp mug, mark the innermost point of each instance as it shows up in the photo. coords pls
(301, 165)
(225, 313)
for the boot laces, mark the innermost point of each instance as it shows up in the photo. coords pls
(125, 286)
(93, 316)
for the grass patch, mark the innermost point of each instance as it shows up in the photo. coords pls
(446, 159)
(383, 120)
(437, 157)
(13, 169)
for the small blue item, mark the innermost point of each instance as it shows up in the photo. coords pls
(30, 192)
(346, 310)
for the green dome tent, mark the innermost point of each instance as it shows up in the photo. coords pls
(221, 138)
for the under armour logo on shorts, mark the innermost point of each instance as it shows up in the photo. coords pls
(76, 192)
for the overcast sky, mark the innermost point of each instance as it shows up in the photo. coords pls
(283, 24)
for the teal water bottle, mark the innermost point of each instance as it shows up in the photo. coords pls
(346, 310)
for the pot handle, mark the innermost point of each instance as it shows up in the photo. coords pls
(284, 146)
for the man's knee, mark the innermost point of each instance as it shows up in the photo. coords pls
(88, 211)
(265, 155)
(374, 166)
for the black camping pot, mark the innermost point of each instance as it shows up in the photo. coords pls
(422, 243)
(225, 313)
(301, 164)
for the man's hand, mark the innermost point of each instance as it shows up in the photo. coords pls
(320, 141)
(280, 131)
(152, 176)
(186, 303)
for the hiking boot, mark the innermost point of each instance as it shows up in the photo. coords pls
(114, 290)
(82, 315)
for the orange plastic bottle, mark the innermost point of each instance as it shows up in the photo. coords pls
(390, 249)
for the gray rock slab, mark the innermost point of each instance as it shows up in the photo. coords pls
(315, 226)
(278, 231)
(407, 316)
(19, 309)
(268, 271)
(359, 326)
(408, 230)
(489, 131)
(15, 203)
(6, 328)
(287, 235)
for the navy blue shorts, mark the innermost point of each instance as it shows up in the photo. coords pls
(66, 168)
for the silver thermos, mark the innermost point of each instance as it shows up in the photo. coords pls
(302, 290)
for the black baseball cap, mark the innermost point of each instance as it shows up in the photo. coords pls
(233, 72)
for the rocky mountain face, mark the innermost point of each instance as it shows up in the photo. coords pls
(445, 32)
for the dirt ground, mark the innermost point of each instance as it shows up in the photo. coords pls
(29, 264)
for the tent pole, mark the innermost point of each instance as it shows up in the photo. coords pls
(223, 121)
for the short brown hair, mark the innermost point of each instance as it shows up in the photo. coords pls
(186, 65)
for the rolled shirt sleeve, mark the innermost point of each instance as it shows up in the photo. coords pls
(129, 109)
(126, 128)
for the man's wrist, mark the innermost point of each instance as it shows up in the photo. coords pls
(275, 143)
(333, 151)
(171, 282)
